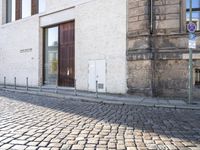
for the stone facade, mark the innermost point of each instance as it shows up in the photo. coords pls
(157, 48)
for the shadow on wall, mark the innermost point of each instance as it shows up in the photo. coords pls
(169, 123)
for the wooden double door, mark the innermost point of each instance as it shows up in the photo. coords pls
(59, 64)
(66, 54)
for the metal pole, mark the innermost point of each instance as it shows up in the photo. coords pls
(75, 91)
(190, 63)
(15, 83)
(4, 83)
(97, 89)
(27, 83)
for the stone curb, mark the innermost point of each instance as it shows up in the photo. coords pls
(101, 100)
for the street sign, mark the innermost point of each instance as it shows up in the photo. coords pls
(192, 44)
(192, 36)
(191, 27)
(192, 41)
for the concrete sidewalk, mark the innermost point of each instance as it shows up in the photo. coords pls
(105, 98)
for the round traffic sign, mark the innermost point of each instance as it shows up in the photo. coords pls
(191, 27)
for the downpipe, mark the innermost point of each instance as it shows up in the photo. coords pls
(153, 58)
(151, 17)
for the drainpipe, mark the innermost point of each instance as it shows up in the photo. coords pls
(152, 49)
(151, 17)
(127, 39)
(180, 15)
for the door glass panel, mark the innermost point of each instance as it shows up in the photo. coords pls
(51, 55)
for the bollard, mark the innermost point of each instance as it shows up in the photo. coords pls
(15, 82)
(4, 83)
(75, 91)
(97, 89)
(56, 91)
(40, 87)
(27, 83)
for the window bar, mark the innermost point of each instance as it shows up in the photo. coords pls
(196, 77)
(199, 77)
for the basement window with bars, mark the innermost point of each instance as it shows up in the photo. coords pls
(197, 78)
(195, 12)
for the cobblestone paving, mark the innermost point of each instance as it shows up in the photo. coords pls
(43, 123)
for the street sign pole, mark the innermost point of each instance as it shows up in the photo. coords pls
(190, 63)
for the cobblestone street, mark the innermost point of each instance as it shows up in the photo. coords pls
(42, 123)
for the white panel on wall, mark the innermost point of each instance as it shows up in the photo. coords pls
(91, 76)
(101, 75)
(97, 72)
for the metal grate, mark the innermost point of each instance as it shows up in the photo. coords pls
(197, 77)
(100, 86)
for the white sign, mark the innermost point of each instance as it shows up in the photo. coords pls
(192, 44)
